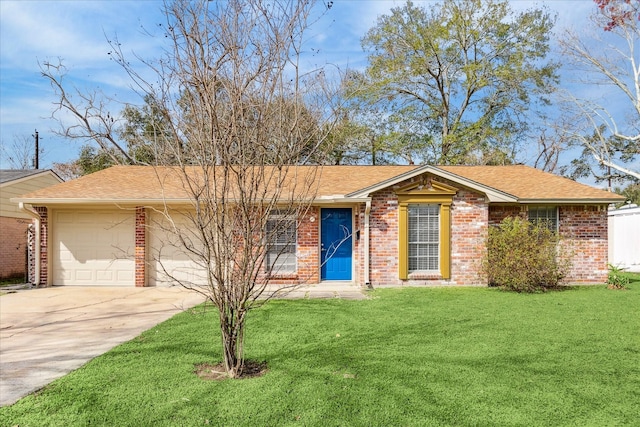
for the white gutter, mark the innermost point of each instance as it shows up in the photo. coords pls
(569, 201)
(97, 201)
(29, 210)
(367, 212)
(146, 202)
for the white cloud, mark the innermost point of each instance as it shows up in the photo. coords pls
(75, 31)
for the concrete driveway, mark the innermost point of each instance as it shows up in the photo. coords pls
(46, 333)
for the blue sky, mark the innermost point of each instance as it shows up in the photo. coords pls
(33, 31)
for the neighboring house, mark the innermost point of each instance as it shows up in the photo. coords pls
(624, 238)
(404, 225)
(14, 222)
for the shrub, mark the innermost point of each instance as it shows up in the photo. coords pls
(525, 257)
(617, 279)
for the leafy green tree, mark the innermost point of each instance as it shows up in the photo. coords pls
(466, 71)
(145, 130)
(585, 166)
(370, 134)
(93, 159)
(631, 192)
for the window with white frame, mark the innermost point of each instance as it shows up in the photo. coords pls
(547, 215)
(281, 237)
(423, 237)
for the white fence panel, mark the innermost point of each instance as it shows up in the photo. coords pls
(624, 238)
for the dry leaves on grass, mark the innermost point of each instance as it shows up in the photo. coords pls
(208, 371)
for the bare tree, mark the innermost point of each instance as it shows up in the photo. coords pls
(241, 118)
(67, 170)
(20, 154)
(89, 112)
(549, 150)
(607, 123)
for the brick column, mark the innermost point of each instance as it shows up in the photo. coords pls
(141, 246)
(44, 244)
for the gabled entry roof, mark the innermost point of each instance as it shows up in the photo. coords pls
(510, 184)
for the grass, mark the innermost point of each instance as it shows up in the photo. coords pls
(633, 277)
(12, 281)
(7, 282)
(406, 357)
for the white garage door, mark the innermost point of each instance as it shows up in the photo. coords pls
(168, 259)
(93, 247)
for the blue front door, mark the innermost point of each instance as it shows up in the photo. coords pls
(336, 243)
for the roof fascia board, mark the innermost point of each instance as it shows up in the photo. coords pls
(340, 199)
(32, 176)
(76, 201)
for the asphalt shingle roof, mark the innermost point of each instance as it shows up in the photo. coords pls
(143, 183)
(527, 183)
(8, 175)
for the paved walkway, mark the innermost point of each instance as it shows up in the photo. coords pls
(46, 333)
(343, 290)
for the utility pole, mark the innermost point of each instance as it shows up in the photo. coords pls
(36, 160)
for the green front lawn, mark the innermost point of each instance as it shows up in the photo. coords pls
(406, 357)
(633, 277)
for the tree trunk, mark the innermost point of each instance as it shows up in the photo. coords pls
(232, 329)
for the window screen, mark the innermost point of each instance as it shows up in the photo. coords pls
(547, 215)
(424, 237)
(281, 244)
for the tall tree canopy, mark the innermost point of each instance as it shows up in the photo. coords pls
(618, 13)
(604, 104)
(462, 75)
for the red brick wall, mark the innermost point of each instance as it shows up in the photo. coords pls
(308, 254)
(499, 213)
(308, 271)
(13, 247)
(383, 247)
(469, 218)
(585, 229)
